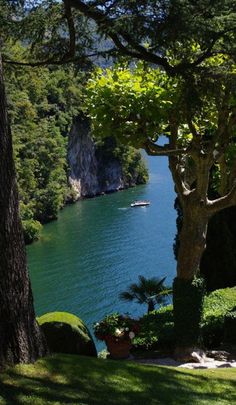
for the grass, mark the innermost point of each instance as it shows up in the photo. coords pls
(70, 379)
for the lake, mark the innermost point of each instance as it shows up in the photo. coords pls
(98, 246)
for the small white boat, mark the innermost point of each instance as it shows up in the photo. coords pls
(140, 203)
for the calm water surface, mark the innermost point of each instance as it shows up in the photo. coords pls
(99, 246)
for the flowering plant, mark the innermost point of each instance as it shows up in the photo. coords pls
(116, 327)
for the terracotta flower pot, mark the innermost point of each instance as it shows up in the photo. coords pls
(118, 349)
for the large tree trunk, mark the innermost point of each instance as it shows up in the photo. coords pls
(188, 291)
(192, 242)
(20, 337)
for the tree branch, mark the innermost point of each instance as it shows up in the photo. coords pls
(155, 150)
(221, 203)
(180, 185)
(192, 129)
(68, 57)
(47, 62)
(71, 28)
(118, 36)
(205, 54)
(64, 60)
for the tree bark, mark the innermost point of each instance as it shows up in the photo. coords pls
(187, 291)
(187, 294)
(192, 242)
(21, 340)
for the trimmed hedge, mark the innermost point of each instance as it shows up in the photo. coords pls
(216, 305)
(66, 333)
(157, 328)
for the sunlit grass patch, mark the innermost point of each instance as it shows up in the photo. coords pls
(70, 379)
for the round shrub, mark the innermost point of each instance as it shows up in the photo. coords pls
(66, 333)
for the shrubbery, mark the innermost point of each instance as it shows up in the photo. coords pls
(157, 328)
(31, 227)
(216, 305)
(116, 327)
(31, 230)
(66, 333)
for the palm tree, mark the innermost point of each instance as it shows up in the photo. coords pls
(148, 291)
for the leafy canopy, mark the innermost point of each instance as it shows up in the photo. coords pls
(137, 103)
(132, 104)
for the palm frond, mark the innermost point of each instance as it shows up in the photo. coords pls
(126, 296)
(146, 289)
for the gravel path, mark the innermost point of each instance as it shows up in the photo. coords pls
(205, 364)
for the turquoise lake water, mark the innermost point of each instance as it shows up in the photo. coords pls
(97, 247)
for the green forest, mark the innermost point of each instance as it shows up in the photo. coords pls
(42, 104)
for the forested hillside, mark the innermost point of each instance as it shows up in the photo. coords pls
(42, 105)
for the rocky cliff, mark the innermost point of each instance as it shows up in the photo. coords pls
(96, 168)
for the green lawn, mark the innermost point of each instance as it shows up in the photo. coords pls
(69, 379)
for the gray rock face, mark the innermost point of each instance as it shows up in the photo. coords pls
(83, 164)
(90, 171)
(110, 177)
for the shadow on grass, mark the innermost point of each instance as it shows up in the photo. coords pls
(69, 379)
